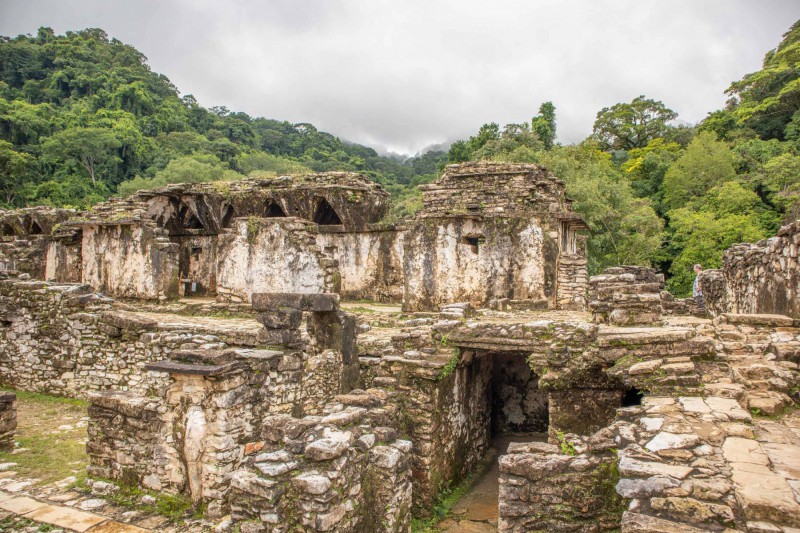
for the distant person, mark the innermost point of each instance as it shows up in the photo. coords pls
(697, 288)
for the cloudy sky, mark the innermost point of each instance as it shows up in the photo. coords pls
(410, 73)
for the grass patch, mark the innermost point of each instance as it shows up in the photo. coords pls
(449, 497)
(52, 454)
(175, 507)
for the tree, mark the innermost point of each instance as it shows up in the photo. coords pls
(15, 168)
(633, 125)
(706, 163)
(92, 148)
(767, 100)
(624, 229)
(728, 214)
(781, 178)
(647, 166)
(544, 124)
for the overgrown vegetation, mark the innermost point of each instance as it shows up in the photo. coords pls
(174, 507)
(82, 117)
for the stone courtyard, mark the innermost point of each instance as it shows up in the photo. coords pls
(268, 355)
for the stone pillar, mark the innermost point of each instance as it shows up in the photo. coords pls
(8, 420)
(215, 404)
(328, 342)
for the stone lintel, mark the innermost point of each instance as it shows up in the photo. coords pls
(271, 301)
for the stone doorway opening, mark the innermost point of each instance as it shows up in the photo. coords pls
(517, 413)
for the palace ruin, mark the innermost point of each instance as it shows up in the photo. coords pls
(273, 351)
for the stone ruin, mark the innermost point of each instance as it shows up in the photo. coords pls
(228, 340)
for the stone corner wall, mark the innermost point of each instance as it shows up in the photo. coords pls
(544, 487)
(8, 420)
(573, 282)
(764, 277)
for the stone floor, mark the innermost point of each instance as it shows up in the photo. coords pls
(28, 509)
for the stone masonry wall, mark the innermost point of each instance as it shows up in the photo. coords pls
(573, 276)
(765, 277)
(66, 340)
(8, 420)
(192, 438)
(544, 487)
(626, 296)
(130, 261)
(271, 255)
(471, 260)
(341, 472)
(370, 262)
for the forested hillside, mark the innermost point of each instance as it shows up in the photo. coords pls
(671, 196)
(83, 117)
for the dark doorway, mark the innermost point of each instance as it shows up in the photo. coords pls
(36, 229)
(325, 215)
(518, 405)
(632, 397)
(275, 210)
(227, 217)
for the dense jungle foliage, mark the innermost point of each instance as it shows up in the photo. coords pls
(82, 117)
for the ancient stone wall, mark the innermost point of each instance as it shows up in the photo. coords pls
(130, 261)
(272, 255)
(573, 285)
(764, 277)
(24, 236)
(473, 260)
(345, 471)
(8, 420)
(370, 262)
(544, 487)
(66, 340)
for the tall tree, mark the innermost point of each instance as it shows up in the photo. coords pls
(544, 124)
(91, 148)
(633, 125)
(706, 163)
(767, 100)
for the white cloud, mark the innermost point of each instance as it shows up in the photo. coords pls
(412, 73)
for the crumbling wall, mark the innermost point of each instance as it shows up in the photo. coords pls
(544, 487)
(24, 236)
(64, 261)
(626, 296)
(764, 277)
(271, 255)
(8, 420)
(66, 340)
(442, 406)
(471, 260)
(573, 276)
(370, 262)
(190, 439)
(130, 261)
